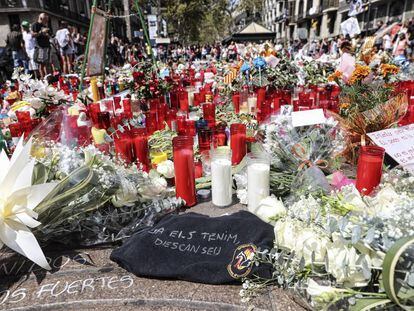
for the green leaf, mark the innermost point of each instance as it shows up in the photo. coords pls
(365, 304)
(40, 174)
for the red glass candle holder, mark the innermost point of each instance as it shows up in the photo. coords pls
(184, 169)
(107, 105)
(183, 100)
(181, 124)
(15, 130)
(220, 137)
(261, 95)
(209, 114)
(174, 101)
(117, 102)
(162, 115)
(23, 116)
(124, 147)
(140, 144)
(151, 121)
(369, 169)
(104, 120)
(171, 119)
(236, 102)
(127, 107)
(190, 129)
(204, 139)
(83, 134)
(93, 110)
(238, 142)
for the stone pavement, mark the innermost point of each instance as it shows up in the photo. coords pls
(87, 280)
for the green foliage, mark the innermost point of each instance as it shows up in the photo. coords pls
(203, 21)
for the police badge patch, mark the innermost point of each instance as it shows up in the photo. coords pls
(242, 262)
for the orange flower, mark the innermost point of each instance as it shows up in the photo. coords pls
(335, 76)
(389, 69)
(344, 105)
(359, 74)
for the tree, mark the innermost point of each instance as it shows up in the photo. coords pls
(197, 20)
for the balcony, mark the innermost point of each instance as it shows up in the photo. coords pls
(330, 5)
(313, 12)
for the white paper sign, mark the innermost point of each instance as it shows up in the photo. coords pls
(308, 117)
(398, 143)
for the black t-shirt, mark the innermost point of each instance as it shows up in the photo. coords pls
(15, 40)
(41, 39)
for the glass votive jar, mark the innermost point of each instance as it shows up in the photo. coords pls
(140, 145)
(204, 139)
(369, 170)
(238, 142)
(184, 169)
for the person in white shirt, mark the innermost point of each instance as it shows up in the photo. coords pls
(387, 42)
(64, 39)
(30, 45)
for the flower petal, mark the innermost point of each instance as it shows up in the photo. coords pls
(20, 239)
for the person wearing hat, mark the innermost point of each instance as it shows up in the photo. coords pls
(29, 45)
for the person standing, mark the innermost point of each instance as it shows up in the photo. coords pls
(41, 31)
(63, 39)
(15, 42)
(29, 45)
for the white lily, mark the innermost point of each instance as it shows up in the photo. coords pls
(18, 198)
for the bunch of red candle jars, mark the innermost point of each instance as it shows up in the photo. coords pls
(24, 125)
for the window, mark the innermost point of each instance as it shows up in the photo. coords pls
(14, 19)
(396, 8)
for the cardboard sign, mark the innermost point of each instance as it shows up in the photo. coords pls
(308, 117)
(398, 143)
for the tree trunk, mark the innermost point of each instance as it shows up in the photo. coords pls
(127, 19)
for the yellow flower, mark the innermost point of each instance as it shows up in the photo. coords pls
(387, 69)
(359, 74)
(335, 76)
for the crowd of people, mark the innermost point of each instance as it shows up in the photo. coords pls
(40, 51)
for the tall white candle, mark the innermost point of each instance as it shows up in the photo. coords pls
(221, 182)
(258, 183)
(252, 104)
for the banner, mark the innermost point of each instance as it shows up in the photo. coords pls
(97, 44)
(152, 26)
(350, 27)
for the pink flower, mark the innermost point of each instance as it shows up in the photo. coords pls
(339, 180)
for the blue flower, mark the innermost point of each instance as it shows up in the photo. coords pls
(245, 67)
(259, 62)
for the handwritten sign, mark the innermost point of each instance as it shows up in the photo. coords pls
(181, 241)
(308, 117)
(398, 143)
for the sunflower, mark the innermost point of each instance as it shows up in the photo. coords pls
(359, 74)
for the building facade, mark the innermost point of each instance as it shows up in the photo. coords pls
(316, 19)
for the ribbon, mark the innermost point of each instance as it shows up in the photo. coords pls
(301, 154)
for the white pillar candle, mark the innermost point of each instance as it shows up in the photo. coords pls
(258, 183)
(221, 182)
(252, 104)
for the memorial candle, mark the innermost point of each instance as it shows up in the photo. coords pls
(209, 114)
(123, 147)
(184, 169)
(258, 181)
(221, 177)
(204, 139)
(236, 102)
(237, 142)
(95, 91)
(369, 169)
(140, 142)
